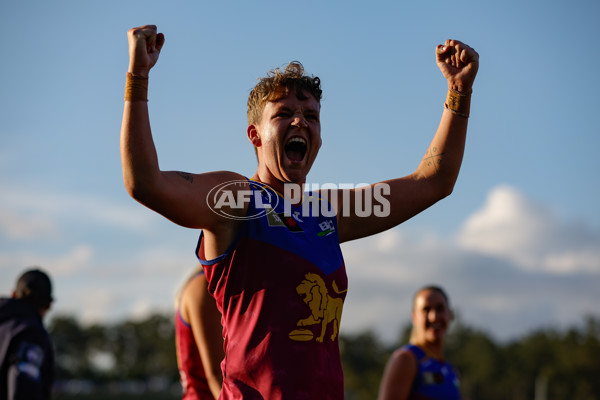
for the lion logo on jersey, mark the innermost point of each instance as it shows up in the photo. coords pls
(324, 309)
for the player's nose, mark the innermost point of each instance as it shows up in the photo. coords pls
(299, 121)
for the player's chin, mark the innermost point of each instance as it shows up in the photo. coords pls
(295, 169)
(295, 177)
(436, 333)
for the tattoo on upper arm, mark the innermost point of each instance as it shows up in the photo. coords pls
(186, 176)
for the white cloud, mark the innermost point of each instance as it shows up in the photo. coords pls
(117, 288)
(63, 264)
(143, 307)
(75, 260)
(90, 304)
(28, 214)
(15, 225)
(512, 227)
(585, 260)
(511, 267)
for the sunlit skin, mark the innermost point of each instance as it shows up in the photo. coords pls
(431, 318)
(182, 197)
(287, 139)
(283, 120)
(199, 310)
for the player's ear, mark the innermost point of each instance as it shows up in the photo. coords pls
(253, 135)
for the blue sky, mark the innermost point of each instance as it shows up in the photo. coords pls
(517, 245)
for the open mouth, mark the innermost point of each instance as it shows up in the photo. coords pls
(295, 149)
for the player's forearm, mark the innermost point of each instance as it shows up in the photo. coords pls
(458, 63)
(441, 163)
(215, 383)
(138, 153)
(210, 346)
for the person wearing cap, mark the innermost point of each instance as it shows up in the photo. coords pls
(26, 353)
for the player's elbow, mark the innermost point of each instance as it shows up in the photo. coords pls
(446, 190)
(443, 187)
(138, 189)
(133, 188)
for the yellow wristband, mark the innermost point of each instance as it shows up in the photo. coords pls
(459, 103)
(136, 88)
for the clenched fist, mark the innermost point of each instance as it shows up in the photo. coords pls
(144, 48)
(459, 64)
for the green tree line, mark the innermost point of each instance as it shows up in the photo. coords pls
(140, 357)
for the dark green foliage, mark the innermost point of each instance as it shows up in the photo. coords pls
(141, 353)
(478, 360)
(129, 355)
(363, 360)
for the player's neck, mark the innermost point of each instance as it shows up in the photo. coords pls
(433, 349)
(280, 187)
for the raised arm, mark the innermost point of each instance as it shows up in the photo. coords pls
(179, 196)
(436, 175)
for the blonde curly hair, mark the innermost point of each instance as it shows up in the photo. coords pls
(279, 83)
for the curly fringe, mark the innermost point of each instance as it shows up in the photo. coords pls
(279, 83)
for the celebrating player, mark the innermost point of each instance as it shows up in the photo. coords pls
(273, 265)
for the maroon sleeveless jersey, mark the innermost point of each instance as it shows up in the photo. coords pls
(280, 289)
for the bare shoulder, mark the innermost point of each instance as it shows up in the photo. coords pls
(398, 376)
(198, 282)
(192, 296)
(404, 359)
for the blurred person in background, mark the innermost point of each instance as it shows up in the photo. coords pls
(418, 370)
(26, 353)
(198, 339)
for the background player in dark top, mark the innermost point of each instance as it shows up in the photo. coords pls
(26, 354)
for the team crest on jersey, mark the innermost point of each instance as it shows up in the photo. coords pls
(324, 309)
(288, 221)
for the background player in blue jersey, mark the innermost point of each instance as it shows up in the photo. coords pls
(418, 370)
(260, 270)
